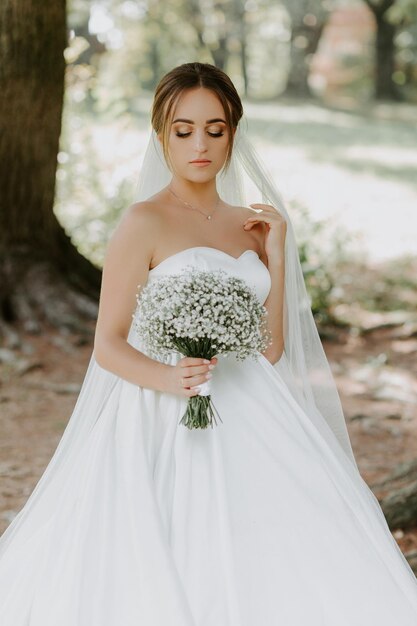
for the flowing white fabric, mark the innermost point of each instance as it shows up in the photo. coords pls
(303, 365)
(139, 520)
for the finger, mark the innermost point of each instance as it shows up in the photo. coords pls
(260, 218)
(190, 392)
(191, 360)
(271, 210)
(251, 221)
(262, 207)
(192, 381)
(195, 370)
(190, 377)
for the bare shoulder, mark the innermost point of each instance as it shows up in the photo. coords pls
(139, 222)
(243, 212)
(134, 238)
(142, 214)
(255, 236)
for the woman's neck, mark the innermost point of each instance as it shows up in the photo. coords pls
(201, 194)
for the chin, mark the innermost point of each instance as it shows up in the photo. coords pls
(200, 177)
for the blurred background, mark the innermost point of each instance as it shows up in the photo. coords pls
(330, 94)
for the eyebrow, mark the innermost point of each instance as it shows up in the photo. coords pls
(216, 119)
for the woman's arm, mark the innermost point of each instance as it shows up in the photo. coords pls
(274, 229)
(126, 266)
(275, 307)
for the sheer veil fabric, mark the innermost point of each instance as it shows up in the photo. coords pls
(303, 365)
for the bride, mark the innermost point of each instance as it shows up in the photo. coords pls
(263, 520)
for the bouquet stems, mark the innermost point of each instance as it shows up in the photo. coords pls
(200, 411)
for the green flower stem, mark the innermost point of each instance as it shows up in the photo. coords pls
(200, 413)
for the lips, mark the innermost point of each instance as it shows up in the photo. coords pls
(201, 161)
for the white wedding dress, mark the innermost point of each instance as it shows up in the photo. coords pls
(254, 522)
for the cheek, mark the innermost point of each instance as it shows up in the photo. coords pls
(177, 149)
(223, 144)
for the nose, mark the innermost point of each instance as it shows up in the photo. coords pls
(200, 140)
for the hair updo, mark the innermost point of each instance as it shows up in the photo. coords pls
(189, 76)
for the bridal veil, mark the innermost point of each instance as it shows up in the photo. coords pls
(303, 365)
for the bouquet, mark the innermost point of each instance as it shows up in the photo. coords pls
(201, 314)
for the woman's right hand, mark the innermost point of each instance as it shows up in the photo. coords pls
(189, 372)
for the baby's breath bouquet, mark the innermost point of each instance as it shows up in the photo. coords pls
(201, 314)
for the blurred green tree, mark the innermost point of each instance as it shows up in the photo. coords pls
(308, 19)
(390, 16)
(404, 15)
(42, 275)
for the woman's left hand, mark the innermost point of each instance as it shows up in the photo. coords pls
(276, 229)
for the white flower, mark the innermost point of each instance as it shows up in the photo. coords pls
(201, 306)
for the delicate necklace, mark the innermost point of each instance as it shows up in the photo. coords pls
(208, 217)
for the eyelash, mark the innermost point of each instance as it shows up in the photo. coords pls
(211, 134)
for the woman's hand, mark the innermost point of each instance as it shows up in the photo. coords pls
(276, 230)
(188, 372)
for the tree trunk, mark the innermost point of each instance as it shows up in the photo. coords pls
(241, 31)
(297, 84)
(42, 275)
(397, 495)
(244, 65)
(220, 53)
(385, 88)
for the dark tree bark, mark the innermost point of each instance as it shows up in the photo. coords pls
(385, 87)
(220, 54)
(195, 14)
(297, 84)
(310, 30)
(239, 18)
(42, 275)
(397, 495)
(244, 64)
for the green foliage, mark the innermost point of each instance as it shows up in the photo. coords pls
(130, 45)
(317, 261)
(385, 287)
(93, 187)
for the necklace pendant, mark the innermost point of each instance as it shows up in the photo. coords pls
(209, 217)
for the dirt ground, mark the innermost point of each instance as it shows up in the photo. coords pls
(376, 373)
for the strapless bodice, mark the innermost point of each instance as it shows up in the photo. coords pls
(248, 266)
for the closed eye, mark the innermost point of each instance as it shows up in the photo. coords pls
(187, 134)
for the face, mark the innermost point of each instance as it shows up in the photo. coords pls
(198, 136)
